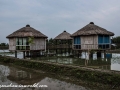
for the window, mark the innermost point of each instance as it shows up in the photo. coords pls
(77, 40)
(104, 42)
(77, 46)
(103, 39)
(104, 46)
(24, 41)
(20, 41)
(106, 39)
(22, 44)
(100, 39)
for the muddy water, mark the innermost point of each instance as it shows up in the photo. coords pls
(22, 76)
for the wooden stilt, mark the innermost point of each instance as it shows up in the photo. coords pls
(65, 51)
(30, 53)
(24, 54)
(78, 54)
(56, 51)
(69, 51)
(15, 54)
(104, 54)
(27, 53)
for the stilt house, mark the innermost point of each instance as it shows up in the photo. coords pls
(63, 40)
(92, 37)
(27, 39)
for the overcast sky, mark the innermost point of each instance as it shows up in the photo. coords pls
(52, 17)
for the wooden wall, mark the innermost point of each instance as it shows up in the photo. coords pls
(38, 44)
(89, 42)
(12, 43)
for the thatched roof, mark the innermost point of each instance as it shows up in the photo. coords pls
(63, 36)
(26, 32)
(92, 29)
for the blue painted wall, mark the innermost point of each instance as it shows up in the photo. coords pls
(77, 40)
(103, 39)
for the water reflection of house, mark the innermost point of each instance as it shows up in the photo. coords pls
(18, 73)
(22, 74)
(24, 77)
(4, 70)
(27, 39)
(92, 37)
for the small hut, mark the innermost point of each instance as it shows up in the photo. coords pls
(63, 41)
(27, 39)
(92, 37)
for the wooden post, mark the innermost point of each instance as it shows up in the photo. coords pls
(24, 54)
(85, 55)
(61, 50)
(88, 54)
(78, 53)
(74, 53)
(91, 54)
(65, 51)
(27, 53)
(56, 51)
(69, 51)
(104, 54)
(39, 53)
(30, 53)
(15, 54)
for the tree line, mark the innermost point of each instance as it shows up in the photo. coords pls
(116, 39)
(4, 44)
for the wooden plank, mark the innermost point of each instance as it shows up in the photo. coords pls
(12, 43)
(89, 42)
(38, 44)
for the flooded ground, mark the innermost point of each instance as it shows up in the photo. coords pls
(12, 54)
(20, 76)
(102, 63)
(112, 63)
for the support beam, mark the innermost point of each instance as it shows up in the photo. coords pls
(27, 53)
(30, 53)
(15, 54)
(24, 54)
(104, 54)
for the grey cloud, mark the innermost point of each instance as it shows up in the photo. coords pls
(51, 17)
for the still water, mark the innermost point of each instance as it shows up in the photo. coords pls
(112, 63)
(102, 63)
(20, 76)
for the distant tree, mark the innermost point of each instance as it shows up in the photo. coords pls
(51, 41)
(116, 39)
(3, 44)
